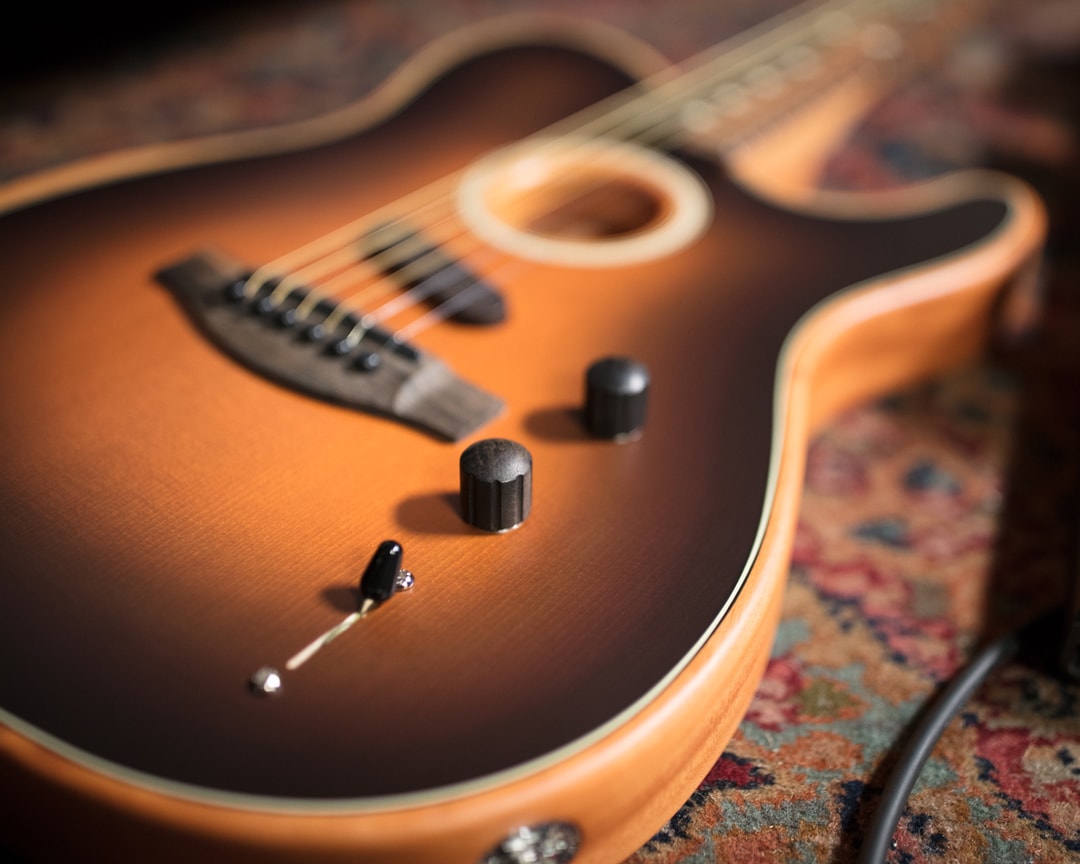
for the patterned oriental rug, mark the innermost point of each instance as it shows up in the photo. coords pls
(932, 520)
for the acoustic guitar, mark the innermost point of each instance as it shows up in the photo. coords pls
(417, 484)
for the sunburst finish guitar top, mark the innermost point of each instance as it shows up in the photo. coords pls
(175, 516)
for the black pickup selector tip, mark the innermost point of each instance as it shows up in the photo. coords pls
(616, 398)
(496, 484)
(380, 576)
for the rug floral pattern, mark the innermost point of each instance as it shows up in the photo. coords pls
(888, 594)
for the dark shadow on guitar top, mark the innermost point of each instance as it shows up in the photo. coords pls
(342, 598)
(434, 513)
(561, 423)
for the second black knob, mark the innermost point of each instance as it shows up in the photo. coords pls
(616, 398)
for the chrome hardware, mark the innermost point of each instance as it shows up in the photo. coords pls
(404, 580)
(549, 843)
(266, 681)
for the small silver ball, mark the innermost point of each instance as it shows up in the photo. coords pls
(266, 681)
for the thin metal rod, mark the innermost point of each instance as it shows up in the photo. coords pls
(301, 657)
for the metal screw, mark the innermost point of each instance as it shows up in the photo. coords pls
(267, 681)
(549, 843)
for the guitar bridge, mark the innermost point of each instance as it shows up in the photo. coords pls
(374, 373)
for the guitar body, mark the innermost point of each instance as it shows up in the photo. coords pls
(171, 520)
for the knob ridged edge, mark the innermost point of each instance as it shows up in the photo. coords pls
(496, 484)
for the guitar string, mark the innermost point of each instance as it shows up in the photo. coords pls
(628, 99)
(416, 270)
(455, 302)
(335, 264)
(416, 294)
(386, 259)
(624, 100)
(884, 44)
(648, 134)
(701, 75)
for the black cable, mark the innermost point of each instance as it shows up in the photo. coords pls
(879, 835)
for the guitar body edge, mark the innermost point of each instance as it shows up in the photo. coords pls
(621, 50)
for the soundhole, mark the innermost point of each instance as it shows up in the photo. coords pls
(584, 202)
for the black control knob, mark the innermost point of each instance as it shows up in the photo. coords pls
(616, 398)
(496, 484)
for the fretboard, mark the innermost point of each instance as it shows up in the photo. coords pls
(741, 87)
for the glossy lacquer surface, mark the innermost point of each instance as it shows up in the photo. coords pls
(170, 521)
